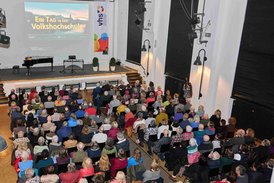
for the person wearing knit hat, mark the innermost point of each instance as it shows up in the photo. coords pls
(193, 146)
(193, 153)
(122, 143)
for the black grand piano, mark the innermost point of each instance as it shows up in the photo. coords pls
(30, 61)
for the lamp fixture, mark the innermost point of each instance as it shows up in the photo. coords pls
(198, 62)
(195, 19)
(145, 49)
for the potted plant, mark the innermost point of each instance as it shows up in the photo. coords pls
(95, 64)
(112, 64)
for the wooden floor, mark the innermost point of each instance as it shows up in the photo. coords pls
(7, 172)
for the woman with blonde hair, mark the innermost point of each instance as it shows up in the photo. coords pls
(120, 178)
(153, 173)
(103, 166)
(87, 169)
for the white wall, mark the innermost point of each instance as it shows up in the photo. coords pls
(158, 15)
(227, 18)
(21, 46)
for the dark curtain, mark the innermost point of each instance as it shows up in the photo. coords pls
(253, 84)
(179, 49)
(257, 117)
(134, 39)
(254, 76)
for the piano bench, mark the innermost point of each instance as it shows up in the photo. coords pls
(15, 69)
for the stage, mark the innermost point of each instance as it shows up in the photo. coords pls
(42, 76)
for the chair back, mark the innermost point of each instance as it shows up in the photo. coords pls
(165, 148)
(153, 138)
(62, 168)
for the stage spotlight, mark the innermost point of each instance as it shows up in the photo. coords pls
(138, 21)
(2, 19)
(4, 39)
(191, 36)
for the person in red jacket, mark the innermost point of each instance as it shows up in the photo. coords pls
(91, 110)
(71, 175)
(112, 133)
(118, 163)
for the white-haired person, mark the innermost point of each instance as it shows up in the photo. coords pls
(55, 146)
(119, 178)
(40, 147)
(100, 137)
(80, 154)
(188, 134)
(31, 177)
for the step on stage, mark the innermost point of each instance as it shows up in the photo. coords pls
(42, 76)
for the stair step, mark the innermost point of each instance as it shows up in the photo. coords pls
(2, 95)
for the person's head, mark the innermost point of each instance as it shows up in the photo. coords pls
(24, 155)
(85, 130)
(104, 162)
(136, 154)
(52, 129)
(223, 122)
(41, 141)
(120, 177)
(210, 124)
(71, 167)
(121, 153)
(20, 134)
(114, 124)
(185, 116)
(265, 142)
(154, 165)
(45, 154)
(87, 162)
(63, 153)
(80, 146)
(232, 121)
(36, 131)
(240, 133)
(197, 118)
(50, 169)
(201, 127)
(218, 113)
(166, 133)
(140, 115)
(206, 138)
(109, 143)
(179, 130)
(192, 142)
(73, 116)
(65, 124)
(120, 136)
(101, 129)
(29, 173)
(240, 170)
(188, 128)
(214, 155)
(250, 132)
(55, 139)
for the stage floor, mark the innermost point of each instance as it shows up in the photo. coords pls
(42, 73)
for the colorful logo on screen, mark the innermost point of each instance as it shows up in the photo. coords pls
(101, 43)
(101, 15)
